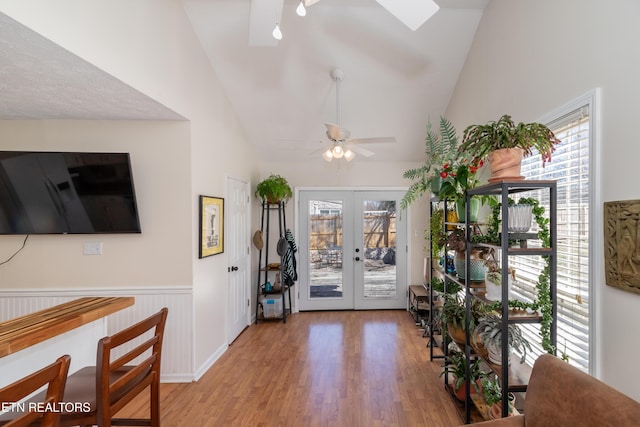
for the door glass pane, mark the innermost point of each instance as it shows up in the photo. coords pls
(325, 249)
(379, 229)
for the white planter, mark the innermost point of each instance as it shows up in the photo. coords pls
(520, 218)
(494, 290)
(495, 354)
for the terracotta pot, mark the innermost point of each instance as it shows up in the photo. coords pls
(456, 334)
(461, 394)
(505, 164)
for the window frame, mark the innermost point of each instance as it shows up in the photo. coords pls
(591, 101)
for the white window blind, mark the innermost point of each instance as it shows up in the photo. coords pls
(570, 168)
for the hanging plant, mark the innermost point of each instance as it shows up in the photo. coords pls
(436, 225)
(543, 301)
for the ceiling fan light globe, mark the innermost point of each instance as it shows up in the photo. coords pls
(337, 152)
(349, 155)
(327, 155)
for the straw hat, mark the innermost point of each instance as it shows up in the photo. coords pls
(257, 239)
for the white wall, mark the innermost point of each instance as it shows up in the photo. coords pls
(150, 45)
(531, 57)
(158, 257)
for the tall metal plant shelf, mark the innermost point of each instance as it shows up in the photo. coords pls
(512, 378)
(267, 273)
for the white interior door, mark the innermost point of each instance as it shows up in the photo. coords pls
(237, 245)
(352, 250)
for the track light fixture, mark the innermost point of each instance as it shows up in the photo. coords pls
(277, 33)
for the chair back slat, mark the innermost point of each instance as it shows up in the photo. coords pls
(133, 375)
(132, 354)
(54, 376)
(119, 380)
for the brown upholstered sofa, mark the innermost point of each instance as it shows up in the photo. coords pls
(560, 395)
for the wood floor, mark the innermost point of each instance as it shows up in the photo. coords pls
(345, 368)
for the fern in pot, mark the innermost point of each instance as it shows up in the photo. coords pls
(439, 149)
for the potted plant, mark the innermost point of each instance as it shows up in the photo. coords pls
(457, 177)
(455, 364)
(493, 279)
(489, 332)
(501, 139)
(456, 241)
(440, 149)
(493, 396)
(454, 313)
(438, 286)
(274, 189)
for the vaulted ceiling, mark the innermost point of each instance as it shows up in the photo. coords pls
(395, 79)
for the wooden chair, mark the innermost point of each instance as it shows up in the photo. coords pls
(54, 376)
(106, 388)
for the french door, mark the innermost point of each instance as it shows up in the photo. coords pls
(355, 250)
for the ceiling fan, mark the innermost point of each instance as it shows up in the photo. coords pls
(341, 143)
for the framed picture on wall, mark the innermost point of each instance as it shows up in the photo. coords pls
(211, 226)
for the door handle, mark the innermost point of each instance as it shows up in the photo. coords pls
(357, 258)
(234, 268)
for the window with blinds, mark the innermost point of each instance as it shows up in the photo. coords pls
(570, 168)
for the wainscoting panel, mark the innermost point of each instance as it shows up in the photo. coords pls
(178, 347)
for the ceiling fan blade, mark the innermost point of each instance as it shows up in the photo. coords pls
(359, 150)
(335, 133)
(379, 140)
(320, 150)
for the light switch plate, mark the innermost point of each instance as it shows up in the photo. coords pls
(92, 248)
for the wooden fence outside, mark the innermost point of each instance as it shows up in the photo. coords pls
(326, 231)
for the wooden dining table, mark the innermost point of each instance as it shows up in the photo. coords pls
(31, 341)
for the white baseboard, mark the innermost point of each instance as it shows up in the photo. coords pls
(209, 362)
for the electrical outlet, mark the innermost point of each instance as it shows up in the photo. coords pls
(92, 248)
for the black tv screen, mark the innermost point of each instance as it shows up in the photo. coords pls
(66, 193)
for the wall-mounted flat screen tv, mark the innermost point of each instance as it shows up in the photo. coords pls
(66, 193)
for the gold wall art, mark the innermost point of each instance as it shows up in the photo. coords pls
(211, 226)
(622, 244)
